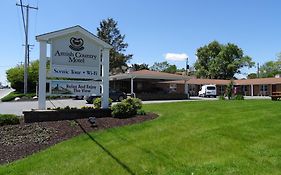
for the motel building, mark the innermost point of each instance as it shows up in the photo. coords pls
(152, 85)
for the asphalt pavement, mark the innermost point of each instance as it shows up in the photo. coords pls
(16, 107)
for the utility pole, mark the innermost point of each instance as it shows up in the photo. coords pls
(26, 54)
(187, 66)
(258, 72)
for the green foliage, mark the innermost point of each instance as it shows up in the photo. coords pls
(229, 90)
(238, 97)
(126, 108)
(141, 112)
(9, 119)
(164, 67)
(218, 61)
(11, 96)
(137, 67)
(15, 76)
(252, 76)
(271, 68)
(109, 32)
(87, 107)
(97, 102)
(221, 97)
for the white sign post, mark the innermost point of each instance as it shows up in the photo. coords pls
(75, 53)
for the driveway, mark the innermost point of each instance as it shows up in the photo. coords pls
(4, 92)
(19, 106)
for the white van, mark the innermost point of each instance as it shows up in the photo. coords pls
(208, 91)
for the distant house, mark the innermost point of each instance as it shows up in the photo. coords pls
(152, 85)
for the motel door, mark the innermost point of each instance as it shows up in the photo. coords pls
(273, 88)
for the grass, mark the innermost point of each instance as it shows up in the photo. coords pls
(207, 137)
(12, 95)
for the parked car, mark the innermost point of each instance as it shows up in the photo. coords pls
(115, 95)
(208, 91)
(77, 97)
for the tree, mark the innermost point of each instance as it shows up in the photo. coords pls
(164, 67)
(15, 77)
(252, 76)
(142, 66)
(108, 31)
(271, 68)
(218, 61)
(229, 90)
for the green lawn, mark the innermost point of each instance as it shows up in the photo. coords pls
(207, 137)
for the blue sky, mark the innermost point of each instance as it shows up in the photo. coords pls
(153, 28)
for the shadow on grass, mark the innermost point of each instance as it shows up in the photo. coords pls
(123, 165)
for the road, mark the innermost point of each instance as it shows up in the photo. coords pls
(18, 107)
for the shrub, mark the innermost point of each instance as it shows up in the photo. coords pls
(97, 102)
(87, 107)
(126, 108)
(238, 97)
(141, 112)
(221, 97)
(9, 119)
(11, 96)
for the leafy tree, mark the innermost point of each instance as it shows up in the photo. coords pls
(109, 32)
(271, 68)
(15, 76)
(220, 61)
(142, 66)
(229, 90)
(164, 67)
(252, 76)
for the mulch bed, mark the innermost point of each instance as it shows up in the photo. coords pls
(19, 141)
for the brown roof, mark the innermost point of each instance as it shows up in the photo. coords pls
(226, 82)
(258, 81)
(208, 81)
(154, 73)
(147, 74)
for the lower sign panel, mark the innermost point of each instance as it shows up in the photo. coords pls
(74, 88)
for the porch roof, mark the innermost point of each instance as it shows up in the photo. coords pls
(147, 74)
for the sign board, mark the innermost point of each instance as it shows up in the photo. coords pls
(74, 88)
(73, 51)
(75, 72)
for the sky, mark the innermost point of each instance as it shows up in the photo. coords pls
(156, 30)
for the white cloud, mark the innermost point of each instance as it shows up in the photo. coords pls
(175, 56)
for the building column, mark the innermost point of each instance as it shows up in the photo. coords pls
(42, 75)
(105, 78)
(186, 89)
(132, 87)
(252, 90)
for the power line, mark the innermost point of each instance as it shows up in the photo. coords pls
(22, 14)
(25, 25)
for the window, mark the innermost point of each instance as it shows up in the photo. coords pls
(173, 87)
(211, 88)
(263, 88)
(245, 88)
